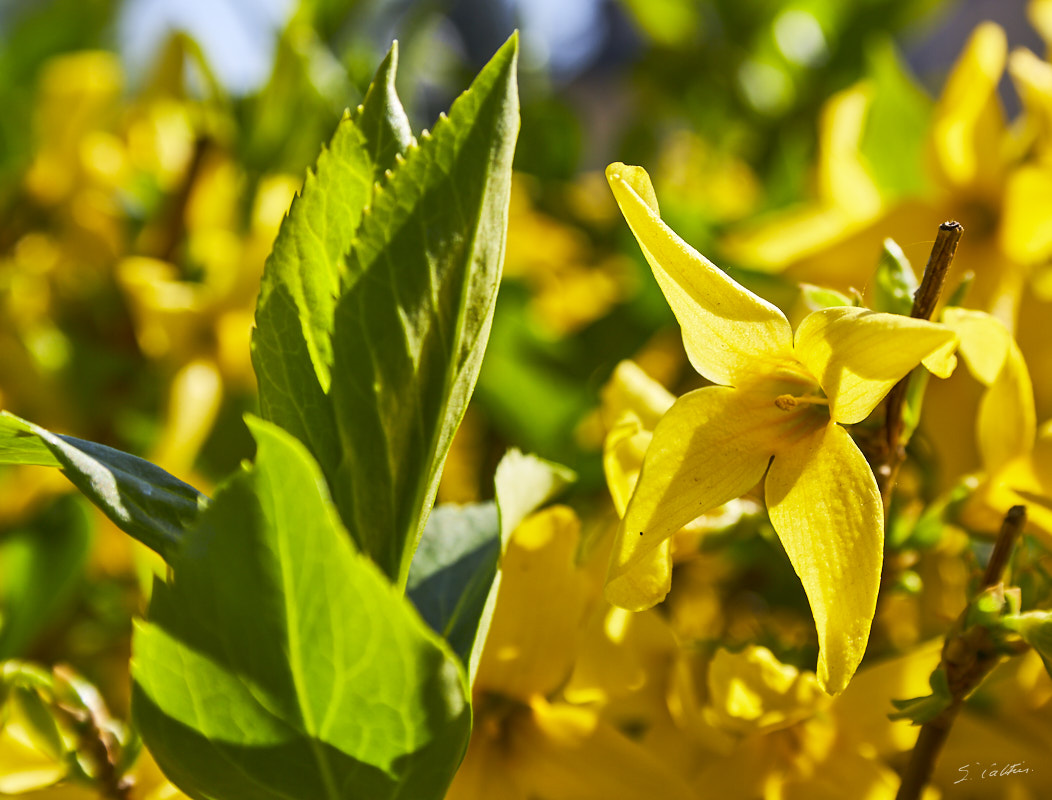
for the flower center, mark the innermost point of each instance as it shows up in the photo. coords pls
(787, 402)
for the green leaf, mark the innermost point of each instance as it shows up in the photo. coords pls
(280, 663)
(453, 570)
(292, 342)
(19, 445)
(143, 500)
(412, 325)
(1035, 628)
(987, 608)
(914, 405)
(894, 282)
(40, 565)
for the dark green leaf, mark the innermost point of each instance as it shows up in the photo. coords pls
(143, 500)
(412, 325)
(292, 342)
(453, 570)
(454, 576)
(279, 662)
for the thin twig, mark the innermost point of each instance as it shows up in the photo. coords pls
(968, 656)
(1004, 545)
(924, 301)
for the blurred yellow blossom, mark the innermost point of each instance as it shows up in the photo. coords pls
(526, 742)
(1016, 455)
(979, 173)
(571, 284)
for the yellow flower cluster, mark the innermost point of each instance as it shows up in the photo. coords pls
(661, 686)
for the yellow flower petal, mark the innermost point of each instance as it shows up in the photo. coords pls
(632, 405)
(858, 355)
(847, 195)
(752, 691)
(538, 619)
(568, 753)
(1032, 77)
(1025, 233)
(630, 389)
(623, 451)
(968, 124)
(726, 328)
(712, 446)
(1007, 422)
(1040, 14)
(1006, 414)
(843, 179)
(824, 505)
(785, 237)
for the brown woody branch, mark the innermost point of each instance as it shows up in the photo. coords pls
(968, 656)
(893, 451)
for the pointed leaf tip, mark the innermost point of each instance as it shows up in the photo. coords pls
(433, 248)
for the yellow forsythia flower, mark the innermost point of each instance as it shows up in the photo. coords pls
(778, 399)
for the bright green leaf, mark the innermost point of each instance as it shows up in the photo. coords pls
(1035, 628)
(19, 445)
(412, 324)
(292, 342)
(279, 662)
(987, 608)
(143, 500)
(911, 410)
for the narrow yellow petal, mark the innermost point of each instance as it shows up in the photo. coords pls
(1040, 14)
(968, 124)
(712, 446)
(843, 179)
(1007, 421)
(1032, 77)
(858, 355)
(623, 451)
(726, 328)
(781, 238)
(825, 507)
